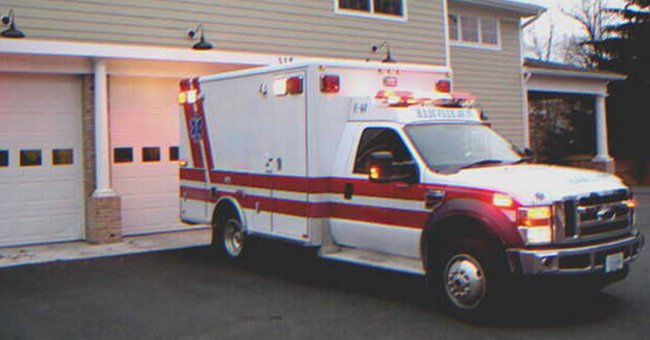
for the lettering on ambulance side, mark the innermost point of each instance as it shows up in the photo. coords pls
(446, 114)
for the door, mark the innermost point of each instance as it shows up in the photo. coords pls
(41, 177)
(144, 138)
(289, 165)
(378, 216)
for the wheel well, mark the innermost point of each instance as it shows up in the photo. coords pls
(223, 212)
(453, 228)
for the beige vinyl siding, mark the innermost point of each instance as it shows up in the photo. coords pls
(283, 27)
(495, 76)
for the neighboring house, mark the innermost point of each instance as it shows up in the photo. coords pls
(548, 80)
(88, 112)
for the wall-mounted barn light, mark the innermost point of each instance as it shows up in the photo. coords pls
(202, 44)
(388, 58)
(10, 22)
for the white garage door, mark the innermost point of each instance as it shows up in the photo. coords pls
(41, 195)
(144, 139)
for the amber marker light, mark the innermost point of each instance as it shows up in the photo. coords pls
(375, 172)
(502, 201)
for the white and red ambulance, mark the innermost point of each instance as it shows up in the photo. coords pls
(381, 165)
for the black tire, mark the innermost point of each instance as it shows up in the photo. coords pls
(228, 237)
(469, 278)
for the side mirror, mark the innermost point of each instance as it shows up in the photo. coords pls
(383, 169)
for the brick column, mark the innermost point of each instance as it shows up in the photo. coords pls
(103, 214)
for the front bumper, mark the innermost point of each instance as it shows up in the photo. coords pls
(574, 260)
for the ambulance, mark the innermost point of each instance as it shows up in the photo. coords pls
(382, 165)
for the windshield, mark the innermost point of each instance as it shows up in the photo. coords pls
(447, 148)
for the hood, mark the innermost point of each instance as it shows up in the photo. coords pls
(536, 184)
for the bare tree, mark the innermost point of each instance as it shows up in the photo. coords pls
(541, 45)
(593, 17)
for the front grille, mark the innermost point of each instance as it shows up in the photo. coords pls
(600, 198)
(604, 228)
(593, 215)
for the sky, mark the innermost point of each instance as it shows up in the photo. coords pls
(564, 26)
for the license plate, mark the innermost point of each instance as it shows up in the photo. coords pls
(613, 262)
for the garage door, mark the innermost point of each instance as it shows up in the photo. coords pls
(41, 197)
(144, 140)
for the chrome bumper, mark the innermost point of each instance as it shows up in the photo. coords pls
(576, 260)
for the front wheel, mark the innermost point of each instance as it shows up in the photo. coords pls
(228, 238)
(469, 277)
(464, 281)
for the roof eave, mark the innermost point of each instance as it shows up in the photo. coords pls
(607, 76)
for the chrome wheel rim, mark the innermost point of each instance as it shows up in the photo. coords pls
(233, 238)
(465, 281)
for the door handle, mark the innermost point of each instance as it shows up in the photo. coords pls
(433, 197)
(348, 190)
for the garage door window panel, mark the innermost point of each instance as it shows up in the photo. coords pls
(31, 157)
(173, 153)
(62, 157)
(123, 155)
(4, 158)
(151, 154)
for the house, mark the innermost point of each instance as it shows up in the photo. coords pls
(554, 80)
(88, 112)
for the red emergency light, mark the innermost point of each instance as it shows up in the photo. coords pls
(294, 85)
(443, 85)
(330, 83)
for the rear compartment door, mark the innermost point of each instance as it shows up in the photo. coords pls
(288, 163)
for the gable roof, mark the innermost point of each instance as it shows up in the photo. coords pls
(516, 7)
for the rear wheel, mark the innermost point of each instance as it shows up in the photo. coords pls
(228, 237)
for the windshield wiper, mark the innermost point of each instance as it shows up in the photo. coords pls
(482, 162)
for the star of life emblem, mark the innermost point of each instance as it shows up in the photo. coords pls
(196, 128)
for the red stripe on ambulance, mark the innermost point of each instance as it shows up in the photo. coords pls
(188, 109)
(201, 112)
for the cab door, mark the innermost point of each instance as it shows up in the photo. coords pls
(378, 216)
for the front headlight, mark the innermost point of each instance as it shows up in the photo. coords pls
(535, 224)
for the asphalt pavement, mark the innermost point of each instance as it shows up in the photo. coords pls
(281, 292)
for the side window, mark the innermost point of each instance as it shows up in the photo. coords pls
(378, 139)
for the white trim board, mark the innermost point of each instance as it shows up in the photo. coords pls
(107, 50)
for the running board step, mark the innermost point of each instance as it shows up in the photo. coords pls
(378, 260)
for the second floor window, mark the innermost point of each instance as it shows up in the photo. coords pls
(473, 30)
(382, 7)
